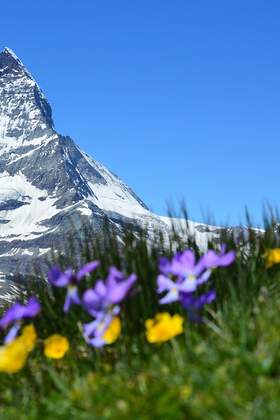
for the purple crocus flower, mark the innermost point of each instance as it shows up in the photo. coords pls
(70, 279)
(15, 314)
(109, 293)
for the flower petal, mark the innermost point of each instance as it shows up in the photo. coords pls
(164, 283)
(18, 311)
(164, 266)
(87, 269)
(188, 285)
(97, 342)
(89, 328)
(183, 262)
(59, 279)
(72, 297)
(170, 297)
(32, 308)
(118, 291)
(204, 277)
(12, 334)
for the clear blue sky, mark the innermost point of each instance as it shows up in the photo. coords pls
(180, 98)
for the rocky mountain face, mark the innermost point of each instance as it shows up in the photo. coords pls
(46, 182)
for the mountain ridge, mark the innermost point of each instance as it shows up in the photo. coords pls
(46, 181)
(44, 177)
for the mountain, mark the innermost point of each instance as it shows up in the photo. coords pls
(47, 182)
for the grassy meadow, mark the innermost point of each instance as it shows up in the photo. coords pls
(225, 367)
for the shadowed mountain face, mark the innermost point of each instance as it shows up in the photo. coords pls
(46, 182)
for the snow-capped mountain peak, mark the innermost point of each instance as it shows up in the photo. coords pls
(24, 111)
(11, 60)
(47, 182)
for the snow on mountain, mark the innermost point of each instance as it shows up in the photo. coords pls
(46, 182)
(199, 232)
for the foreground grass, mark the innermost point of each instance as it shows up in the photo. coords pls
(226, 368)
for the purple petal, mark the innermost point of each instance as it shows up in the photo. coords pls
(227, 259)
(103, 295)
(95, 302)
(213, 260)
(72, 298)
(199, 267)
(87, 269)
(118, 291)
(188, 285)
(116, 310)
(223, 248)
(97, 328)
(32, 308)
(18, 311)
(210, 259)
(192, 303)
(100, 288)
(67, 304)
(183, 262)
(90, 328)
(188, 258)
(103, 323)
(59, 279)
(187, 300)
(172, 296)
(205, 299)
(94, 295)
(164, 266)
(12, 333)
(13, 313)
(97, 342)
(90, 297)
(114, 275)
(204, 277)
(54, 274)
(164, 283)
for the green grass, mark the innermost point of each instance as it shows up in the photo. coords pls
(226, 368)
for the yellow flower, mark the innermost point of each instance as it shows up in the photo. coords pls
(29, 337)
(13, 356)
(56, 346)
(163, 327)
(113, 331)
(272, 257)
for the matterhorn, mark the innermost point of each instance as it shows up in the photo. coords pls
(47, 182)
